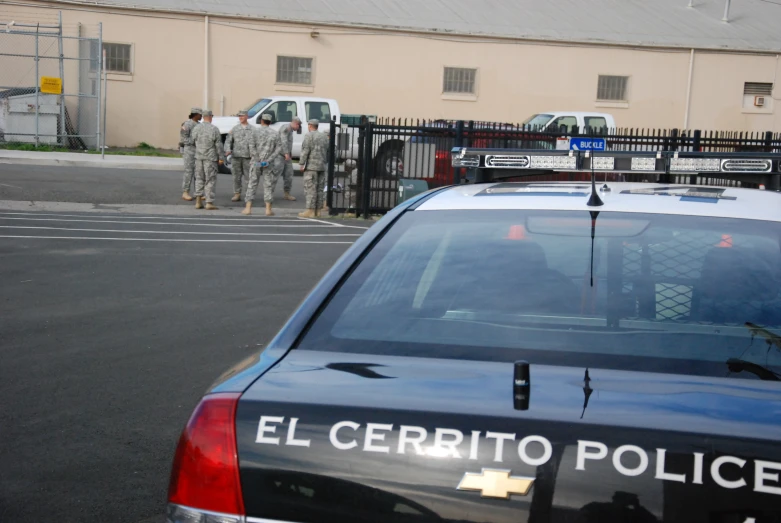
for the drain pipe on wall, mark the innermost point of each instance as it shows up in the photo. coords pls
(689, 90)
(206, 63)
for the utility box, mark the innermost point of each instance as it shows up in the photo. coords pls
(409, 188)
(17, 116)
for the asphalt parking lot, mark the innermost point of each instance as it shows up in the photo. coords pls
(111, 327)
(119, 186)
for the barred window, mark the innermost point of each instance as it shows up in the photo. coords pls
(758, 88)
(612, 88)
(294, 70)
(458, 80)
(118, 57)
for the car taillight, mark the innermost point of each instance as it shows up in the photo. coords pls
(205, 485)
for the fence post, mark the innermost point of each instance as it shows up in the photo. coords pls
(696, 142)
(367, 167)
(61, 128)
(99, 68)
(768, 141)
(359, 179)
(329, 197)
(459, 143)
(37, 87)
(674, 141)
(105, 104)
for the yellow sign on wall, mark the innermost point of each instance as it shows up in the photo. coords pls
(51, 85)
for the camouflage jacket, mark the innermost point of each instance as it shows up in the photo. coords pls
(239, 141)
(314, 151)
(185, 133)
(286, 138)
(265, 145)
(208, 142)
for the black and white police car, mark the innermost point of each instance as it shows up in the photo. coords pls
(518, 352)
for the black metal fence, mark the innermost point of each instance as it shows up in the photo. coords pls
(367, 160)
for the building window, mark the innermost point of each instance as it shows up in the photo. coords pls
(458, 80)
(612, 88)
(757, 89)
(294, 70)
(118, 57)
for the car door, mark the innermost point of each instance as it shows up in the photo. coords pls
(282, 112)
(564, 123)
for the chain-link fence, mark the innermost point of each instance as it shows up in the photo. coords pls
(51, 85)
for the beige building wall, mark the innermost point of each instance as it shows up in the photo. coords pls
(400, 75)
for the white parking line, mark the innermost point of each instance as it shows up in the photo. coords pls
(168, 240)
(134, 217)
(300, 223)
(175, 232)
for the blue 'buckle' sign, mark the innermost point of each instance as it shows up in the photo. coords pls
(587, 144)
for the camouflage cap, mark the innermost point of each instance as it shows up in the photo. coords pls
(207, 112)
(266, 117)
(242, 113)
(314, 121)
(196, 110)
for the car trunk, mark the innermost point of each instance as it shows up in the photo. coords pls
(319, 440)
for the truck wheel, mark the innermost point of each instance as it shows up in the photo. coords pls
(388, 162)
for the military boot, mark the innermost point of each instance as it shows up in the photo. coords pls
(289, 198)
(269, 212)
(247, 209)
(236, 197)
(186, 196)
(199, 202)
(211, 207)
(309, 213)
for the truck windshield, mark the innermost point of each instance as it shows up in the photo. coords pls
(538, 120)
(255, 107)
(678, 294)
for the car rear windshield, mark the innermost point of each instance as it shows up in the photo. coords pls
(681, 294)
(538, 120)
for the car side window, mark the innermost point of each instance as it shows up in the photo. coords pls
(282, 111)
(318, 110)
(596, 122)
(569, 122)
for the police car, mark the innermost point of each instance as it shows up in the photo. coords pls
(516, 351)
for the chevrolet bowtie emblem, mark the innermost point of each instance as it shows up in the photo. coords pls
(494, 483)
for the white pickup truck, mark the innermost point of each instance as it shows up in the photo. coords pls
(283, 108)
(555, 120)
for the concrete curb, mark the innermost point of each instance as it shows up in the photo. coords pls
(91, 160)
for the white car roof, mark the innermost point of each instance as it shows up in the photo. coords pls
(576, 113)
(751, 204)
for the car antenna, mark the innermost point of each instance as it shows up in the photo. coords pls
(594, 215)
(594, 200)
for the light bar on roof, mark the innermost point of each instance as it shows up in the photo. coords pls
(695, 164)
(643, 164)
(604, 163)
(507, 161)
(746, 165)
(554, 162)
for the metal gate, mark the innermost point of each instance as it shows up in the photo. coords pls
(368, 159)
(51, 87)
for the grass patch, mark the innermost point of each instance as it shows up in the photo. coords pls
(143, 149)
(154, 152)
(32, 147)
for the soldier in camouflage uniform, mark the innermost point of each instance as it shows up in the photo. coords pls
(187, 147)
(314, 156)
(266, 152)
(286, 137)
(208, 153)
(238, 142)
